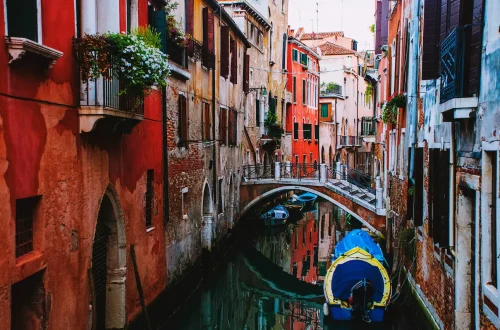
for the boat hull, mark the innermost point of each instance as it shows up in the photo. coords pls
(339, 313)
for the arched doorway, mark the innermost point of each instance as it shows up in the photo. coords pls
(208, 218)
(109, 265)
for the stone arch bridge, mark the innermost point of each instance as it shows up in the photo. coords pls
(355, 194)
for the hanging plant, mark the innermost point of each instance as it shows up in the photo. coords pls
(175, 30)
(271, 119)
(390, 108)
(133, 59)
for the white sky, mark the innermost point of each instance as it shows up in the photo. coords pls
(358, 15)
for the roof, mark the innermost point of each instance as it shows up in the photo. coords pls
(320, 35)
(304, 47)
(329, 48)
(214, 5)
(250, 9)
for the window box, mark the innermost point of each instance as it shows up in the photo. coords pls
(18, 47)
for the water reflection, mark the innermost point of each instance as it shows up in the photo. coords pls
(275, 280)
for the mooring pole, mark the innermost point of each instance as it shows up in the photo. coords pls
(139, 287)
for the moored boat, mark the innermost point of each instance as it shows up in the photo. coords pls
(357, 285)
(275, 216)
(307, 198)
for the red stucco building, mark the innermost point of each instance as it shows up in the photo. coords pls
(302, 113)
(80, 182)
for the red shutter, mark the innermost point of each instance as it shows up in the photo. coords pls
(223, 126)
(476, 47)
(190, 16)
(224, 52)
(430, 51)
(246, 75)
(211, 32)
(234, 61)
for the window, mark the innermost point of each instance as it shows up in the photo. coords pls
(316, 132)
(490, 214)
(307, 131)
(149, 197)
(22, 19)
(438, 196)
(223, 126)
(220, 206)
(207, 122)
(25, 214)
(303, 59)
(283, 57)
(295, 55)
(233, 127)
(183, 121)
(295, 131)
(257, 112)
(185, 202)
(304, 163)
(208, 39)
(324, 110)
(392, 151)
(294, 89)
(224, 49)
(401, 152)
(303, 91)
(234, 61)
(272, 103)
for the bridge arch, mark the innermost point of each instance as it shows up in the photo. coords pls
(283, 189)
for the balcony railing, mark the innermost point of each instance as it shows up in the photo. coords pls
(195, 50)
(105, 92)
(452, 66)
(335, 90)
(368, 126)
(349, 141)
(176, 53)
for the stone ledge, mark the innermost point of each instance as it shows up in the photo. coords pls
(18, 47)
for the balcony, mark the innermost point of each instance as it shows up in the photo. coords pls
(345, 141)
(195, 50)
(331, 90)
(368, 126)
(456, 100)
(177, 58)
(102, 107)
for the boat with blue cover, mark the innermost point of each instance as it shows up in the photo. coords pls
(307, 198)
(357, 285)
(275, 216)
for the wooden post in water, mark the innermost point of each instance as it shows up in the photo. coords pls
(139, 287)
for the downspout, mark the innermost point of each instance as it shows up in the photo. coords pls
(413, 94)
(451, 231)
(214, 149)
(165, 155)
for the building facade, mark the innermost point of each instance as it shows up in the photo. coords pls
(302, 113)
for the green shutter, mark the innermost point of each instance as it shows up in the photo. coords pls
(295, 55)
(303, 59)
(272, 104)
(160, 24)
(324, 110)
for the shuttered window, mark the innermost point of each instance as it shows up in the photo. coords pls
(295, 131)
(294, 89)
(430, 41)
(295, 55)
(257, 112)
(246, 75)
(438, 199)
(234, 61)
(475, 48)
(183, 120)
(303, 91)
(324, 110)
(418, 175)
(233, 127)
(316, 132)
(307, 131)
(224, 52)
(303, 59)
(272, 104)
(22, 19)
(207, 121)
(208, 38)
(223, 126)
(283, 59)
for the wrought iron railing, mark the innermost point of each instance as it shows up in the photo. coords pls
(176, 53)
(195, 49)
(351, 185)
(107, 93)
(452, 65)
(368, 126)
(349, 141)
(258, 172)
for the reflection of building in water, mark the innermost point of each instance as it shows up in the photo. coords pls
(326, 238)
(304, 263)
(302, 317)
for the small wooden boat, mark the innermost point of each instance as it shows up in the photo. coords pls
(275, 216)
(357, 285)
(308, 199)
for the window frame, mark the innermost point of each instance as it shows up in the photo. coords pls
(39, 24)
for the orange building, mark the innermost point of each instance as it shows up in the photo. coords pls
(302, 113)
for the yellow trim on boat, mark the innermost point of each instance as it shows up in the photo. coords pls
(356, 253)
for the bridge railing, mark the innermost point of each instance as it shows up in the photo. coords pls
(258, 172)
(353, 177)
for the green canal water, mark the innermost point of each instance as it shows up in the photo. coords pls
(273, 279)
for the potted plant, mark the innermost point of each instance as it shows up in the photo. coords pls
(391, 107)
(274, 129)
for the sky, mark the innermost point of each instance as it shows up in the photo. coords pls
(357, 16)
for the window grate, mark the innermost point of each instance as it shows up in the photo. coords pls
(25, 209)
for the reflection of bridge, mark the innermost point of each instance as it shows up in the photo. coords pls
(354, 193)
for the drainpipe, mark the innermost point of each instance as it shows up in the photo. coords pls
(413, 93)
(451, 232)
(214, 149)
(165, 155)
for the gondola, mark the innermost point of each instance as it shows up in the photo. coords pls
(275, 217)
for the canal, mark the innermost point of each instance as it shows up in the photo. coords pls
(273, 279)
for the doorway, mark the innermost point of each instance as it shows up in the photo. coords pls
(108, 270)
